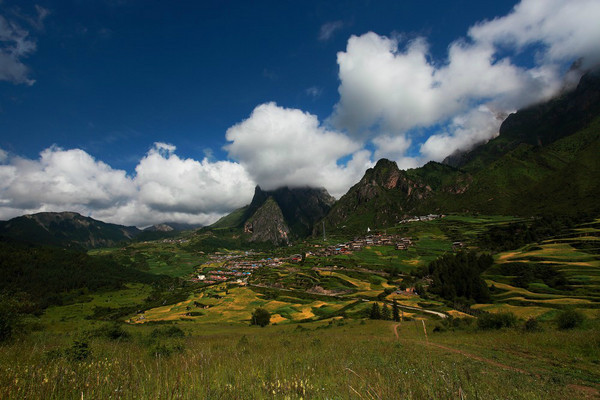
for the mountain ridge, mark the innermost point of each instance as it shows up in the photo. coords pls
(66, 229)
(544, 161)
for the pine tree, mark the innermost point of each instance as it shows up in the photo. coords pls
(385, 312)
(395, 311)
(375, 312)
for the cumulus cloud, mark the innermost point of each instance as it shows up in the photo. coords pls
(328, 29)
(463, 133)
(15, 45)
(169, 183)
(288, 147)
(565, 28)
(394, 148)
(394, 88)
(164, 188)
(63, 177)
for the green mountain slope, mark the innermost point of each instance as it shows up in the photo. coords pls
(545, 160)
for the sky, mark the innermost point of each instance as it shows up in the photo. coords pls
(139, 112)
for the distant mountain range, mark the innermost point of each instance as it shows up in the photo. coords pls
(546, 160)
(66, 229)
(72, 230)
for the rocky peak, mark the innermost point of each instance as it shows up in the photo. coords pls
(385, 173)
(300, 209)
(267, 224)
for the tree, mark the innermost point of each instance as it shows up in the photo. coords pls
(395, 311)
(6, 326)
(385, 312)
(260, 317)
(375, 311)
(569, 319)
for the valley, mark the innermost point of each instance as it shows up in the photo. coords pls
(321, 340)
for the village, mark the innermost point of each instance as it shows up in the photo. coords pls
(237, 268)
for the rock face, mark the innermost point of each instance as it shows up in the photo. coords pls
(280, 215)
(383, 196)
(172, 227)
(267, 224)
(66, 229)
(159, 228)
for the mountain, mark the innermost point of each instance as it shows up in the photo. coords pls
(172, 227)
(545, 160)
(279, 215)
(541, 124)
(66, 229)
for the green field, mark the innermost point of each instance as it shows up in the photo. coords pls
(340, 360)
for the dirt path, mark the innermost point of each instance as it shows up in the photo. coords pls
(468, 355)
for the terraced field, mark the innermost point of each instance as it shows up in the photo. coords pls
(219, 305)
(575, 256)
(325, 286)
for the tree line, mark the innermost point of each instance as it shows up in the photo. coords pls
(457, 277)
(511, 236)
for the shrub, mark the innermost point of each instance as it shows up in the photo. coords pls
(243, 341)
(163, 350)
(497, 320)
(260, 317)
(569, 319)
(169, 332)
(112, 332)
(79, 350)
(531, 325)
(53, 354)
(6, 327)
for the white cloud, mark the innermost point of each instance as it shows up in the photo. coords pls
(165, 187)
(328, 29)
(63, 178)
(168, 183)
(464, 132)
(566, 29)
(340, 178)
(288, 147)
(391, 146)
(396, 89)
(15, 44)
(381, 86)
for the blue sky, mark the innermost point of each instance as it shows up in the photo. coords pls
(138, 112)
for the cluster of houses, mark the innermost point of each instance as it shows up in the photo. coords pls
(235, 268)
(400, 243)
(222, 276)
(179, 241)
(429, 217)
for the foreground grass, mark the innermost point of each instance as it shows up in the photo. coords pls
(337, 360)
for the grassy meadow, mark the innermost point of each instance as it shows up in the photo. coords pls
(345, 359)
